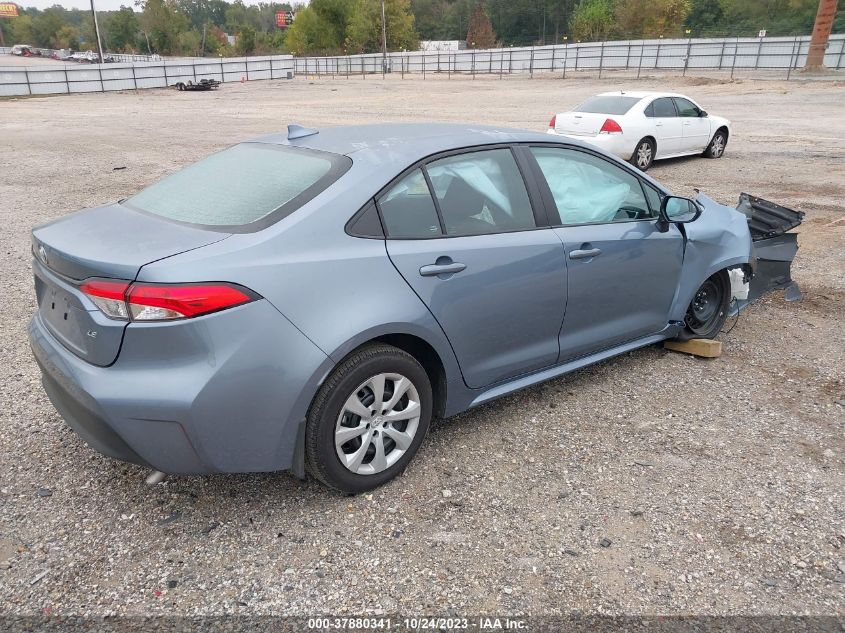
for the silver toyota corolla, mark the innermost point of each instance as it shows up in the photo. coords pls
(310, 300)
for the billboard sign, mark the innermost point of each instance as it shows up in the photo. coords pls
(284, 19)
(8, 10)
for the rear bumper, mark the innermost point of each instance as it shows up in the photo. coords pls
(223, 393)
(615, 144)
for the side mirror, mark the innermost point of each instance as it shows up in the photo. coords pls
(702, 113)
(678, 210)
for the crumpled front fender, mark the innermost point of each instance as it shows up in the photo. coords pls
(718, 239)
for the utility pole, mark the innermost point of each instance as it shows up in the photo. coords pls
(821, 34)
(384, 41)
(97, 31)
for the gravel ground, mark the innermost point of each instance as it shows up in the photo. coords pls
(652, 483)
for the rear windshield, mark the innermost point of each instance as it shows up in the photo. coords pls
(607, 104)
(248, 185)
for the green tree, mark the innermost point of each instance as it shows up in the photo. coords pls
(68, 37)
(593, 20)
(320, 27)
(705, 16)
(162, 23)
(22, 31)
(47, 25)
(365, 30)
(121, 30)
(651, 18)
(245, 44)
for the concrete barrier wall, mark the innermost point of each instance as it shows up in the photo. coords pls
(65, 78)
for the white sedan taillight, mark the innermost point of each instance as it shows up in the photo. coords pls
(126, 301)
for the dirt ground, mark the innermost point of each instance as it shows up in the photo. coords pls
(651, 483)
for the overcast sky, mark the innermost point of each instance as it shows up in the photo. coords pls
(101, 5)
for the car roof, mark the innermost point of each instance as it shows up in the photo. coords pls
(405, 142)
(639, 94)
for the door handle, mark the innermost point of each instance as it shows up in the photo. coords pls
(686, 123)
(658, 125)
(585, 253)
(443, 266)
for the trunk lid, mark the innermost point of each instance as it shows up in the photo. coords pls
(580, 123)
(107, 242)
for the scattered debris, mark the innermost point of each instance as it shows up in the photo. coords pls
(175, 516)
(605, 542)
(44, 492)
(38, 578)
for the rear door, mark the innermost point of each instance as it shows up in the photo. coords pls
(622, 271)
(469, 239)
(667, 126)
(696, 128)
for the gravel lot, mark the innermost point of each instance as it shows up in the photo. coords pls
(652, 483)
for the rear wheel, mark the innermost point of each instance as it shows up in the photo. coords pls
(643, 156)
(717, 145)
(708, 309)
(368, 419)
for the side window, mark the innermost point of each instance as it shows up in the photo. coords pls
(481, 192)
(655, 198)
(589, 189)
(664, 107)
(687, 108)
(408, 210)
(649, 111)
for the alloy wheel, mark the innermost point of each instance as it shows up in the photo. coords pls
(377, 423)
(644, 153)
(717, 146)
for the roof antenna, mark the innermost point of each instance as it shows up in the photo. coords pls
(297, 131)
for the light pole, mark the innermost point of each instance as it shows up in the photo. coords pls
(97, 31)
(383, 42)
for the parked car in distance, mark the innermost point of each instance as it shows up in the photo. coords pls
(311, 300)
(641, 127)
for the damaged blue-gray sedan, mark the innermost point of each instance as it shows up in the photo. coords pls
(309, 301)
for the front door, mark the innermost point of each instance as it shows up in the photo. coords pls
(696, 128)
(668, 130)
(622, 271)
(475, 256)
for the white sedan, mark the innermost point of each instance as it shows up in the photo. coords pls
(641, 127)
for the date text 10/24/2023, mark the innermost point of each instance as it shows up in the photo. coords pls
(422, 623)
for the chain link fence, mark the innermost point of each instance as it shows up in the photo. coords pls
(766, 57)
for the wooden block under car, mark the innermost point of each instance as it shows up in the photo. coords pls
(704, 347)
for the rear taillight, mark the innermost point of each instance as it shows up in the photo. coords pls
(552, 122)
(610, 127)
(162, 302)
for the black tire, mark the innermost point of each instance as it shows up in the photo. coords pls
(643, 156)
(180, 86)
(717, 145)
(708, 309)
(324, 416)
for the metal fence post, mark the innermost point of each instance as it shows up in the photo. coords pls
(721, 54)
(67, 80)
(554, 51)
(510, 61)
(628, 55)
(100, 73)
(841, 50)
(791, 54)
(601, 59)
(449, 66)
(733, 63)
(28, 86)
(472, 67)
(501, 62)
(223, 75)
(686, 59)
(576, 57)
(640, 64)
(657, 55)
(565, 56)
(164, 67)
(531, 64)
(757, 57)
